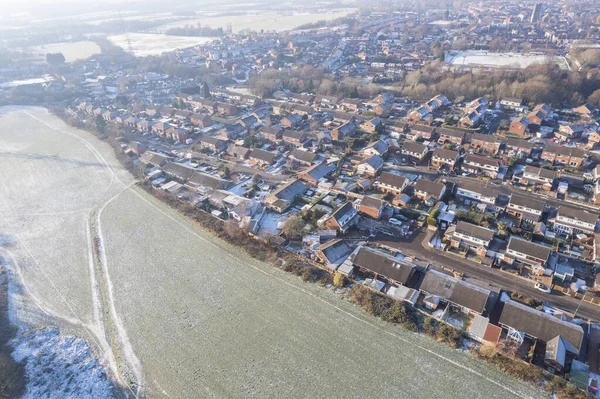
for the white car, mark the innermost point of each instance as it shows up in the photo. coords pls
(395, 222)
(542, 287)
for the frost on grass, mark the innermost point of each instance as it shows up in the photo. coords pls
(61, 366)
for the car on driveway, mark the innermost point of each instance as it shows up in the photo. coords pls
(542, 287)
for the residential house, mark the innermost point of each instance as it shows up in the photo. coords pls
(511, 103)
(519, 148)
(343, 218)
(396, 271)
(567, 156)
(343, 131)
(533, 176)
(370, 166)
(477, 165)
(202, 181)
(470, 236)
(371, 206)
(562, 339)
(351, 104)
(154, 159)
(522, 251)
(201, 120)
(421, 131)
(488, 143)
(262, 157)
(569, 132)
(313, 175)
(383, 98)
(392, 183)
(283, 197)
(333, 253)
(525, 208)
(414, 150)
(373, 125)
(271, 133)
(520, 127)
(291, 121)
(451, 136)
(569, 221)
(467, 298)
(442, 157)
(179, 172)
(303, 157)
(471, 192)
(378, 147)
(239, 152)
(294, 138)
(587, 110)
(429, 191)
(213, 143)
(227, 109)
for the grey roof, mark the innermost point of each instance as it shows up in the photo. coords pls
(450, 132)
(486, 191)
(179, 171)
(262, 155)
(482, 160)
(384, 264)
(413, 147)
(445, 154)
(512, 142)
(529, 248)
(372, 202)
(153, 158)
(528, 202)
(336, 251)
(202, 179)
(392, 179)
(578, 214)
(474, 231)
(429, 187)
(487, 138)
(545, 173)
(320, 170)
(540, 325)
(306, 156)
(456, 291)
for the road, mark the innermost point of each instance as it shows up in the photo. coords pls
(494, 277)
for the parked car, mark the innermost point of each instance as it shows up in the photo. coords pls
(542, 287)
(395, 222)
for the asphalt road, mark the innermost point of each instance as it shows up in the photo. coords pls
(493, 277)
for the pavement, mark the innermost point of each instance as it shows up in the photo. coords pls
(494, 278)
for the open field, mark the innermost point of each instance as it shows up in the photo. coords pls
(497, 60)
(145, 44)
(73, 51)
(268, 20)
(179, 311)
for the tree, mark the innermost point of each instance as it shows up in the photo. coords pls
(339, 280)
(55, 58)
(205, 90)
(226, 172)
(100, 124)
(432, 218)
(293, 226)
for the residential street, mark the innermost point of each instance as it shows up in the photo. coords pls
(495, 278)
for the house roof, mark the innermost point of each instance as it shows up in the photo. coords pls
(518, 143)
(456, 291)
(384, 264)
(528, 202)
(578, 214)
(179, 171)
(392, 179)
(541, 172)
(529, 248)
(486, 138)
(429, 187)
(442, 131)
(474, 231)
(202, 179)
(263, 155)
(372, 202)
(320, 170)
(335, 251)
(413, 147)
(540, 325)
(301, 155)
(477, 159)
(444, 153)
(486, 191)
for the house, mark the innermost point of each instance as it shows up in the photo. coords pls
(392, 183)
(488, 143)
(351, 104)
(522, 251)
(525, 209)
(283, 197)
(569, 132)
(333, 253)
(154, 159)
(343, 218)
(378, 147)
(569, 221)
(533, 176)
(314, 174)
(239, 152)
(343, 131)
(568, 156)
(414, 150)
(450, 136)
(271, 133)
(382, 109)
(518, 147)
(294, 138)
(213, 143)
(227, 109)
(466, 297)
(136, 148)
(396, 271)
(372, 126)
(470, 236)
(442, 157)
(520, 127)
(303, 157)
(178, 171)
(587, 110)
(201, 120)
(422, 131)
(511, 103)
(291, 121)
(429, 191)
(370, 166)
(384, 98)
(371, 206)
(521, 321)
(471, 192)
(201, 180)
(261, 157)
(477, 165)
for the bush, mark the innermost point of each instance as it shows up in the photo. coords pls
(339, 280)
(450, 335)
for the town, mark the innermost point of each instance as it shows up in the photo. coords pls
(476, 205)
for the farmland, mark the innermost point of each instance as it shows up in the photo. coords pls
(189, 315)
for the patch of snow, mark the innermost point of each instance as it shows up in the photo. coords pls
(504, 297)
(61, 366)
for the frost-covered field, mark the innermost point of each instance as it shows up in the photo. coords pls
(146, 44)
(186, 314)
(486, 59)
(73, 51)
